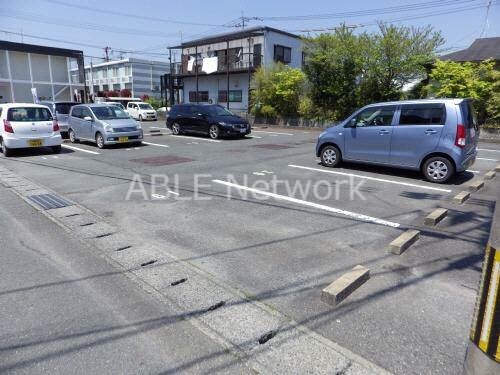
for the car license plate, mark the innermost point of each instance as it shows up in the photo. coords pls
(35, 142)
(122, 139)
(243, 130)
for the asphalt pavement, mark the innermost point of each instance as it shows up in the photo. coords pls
(261, 216)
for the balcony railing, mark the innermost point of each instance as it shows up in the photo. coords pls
(236, 64)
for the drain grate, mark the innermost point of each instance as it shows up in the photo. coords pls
(49, 201)
(272, 146)
(162, 160)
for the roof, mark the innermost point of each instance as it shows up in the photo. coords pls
(421, 101)
(128, 60)
(481, 49)
(16, 105)
(245, 33)
(43, 50)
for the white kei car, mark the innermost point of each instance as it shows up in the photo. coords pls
(25, 125)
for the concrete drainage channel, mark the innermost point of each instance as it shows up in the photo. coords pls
(264, 338)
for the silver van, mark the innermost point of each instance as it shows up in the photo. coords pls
(60, 112)
(103, 124)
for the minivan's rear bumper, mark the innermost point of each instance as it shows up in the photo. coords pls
(23, 142)
(467, 161)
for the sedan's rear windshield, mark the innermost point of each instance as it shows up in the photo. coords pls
(109, 113)
(63, 108)
(29, 114)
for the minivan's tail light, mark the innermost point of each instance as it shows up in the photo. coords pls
(7, 127)
(55, 126)
(460, 137)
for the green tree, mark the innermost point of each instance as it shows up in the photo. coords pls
(276, 91)
(393, 57)
(332, 67)
(465, 80)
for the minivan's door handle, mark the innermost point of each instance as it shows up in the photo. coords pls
(430, 131)
(383, 132)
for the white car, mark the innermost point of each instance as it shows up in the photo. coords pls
(25, 125)
(141, 111)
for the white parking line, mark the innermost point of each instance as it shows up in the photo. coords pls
(155, 144)
(486, 159)
(254, 136)
(468, 170)
(80, 149)
(488, 149)
(372, 178)
(195, 138)
(311, 204)
(262, 131)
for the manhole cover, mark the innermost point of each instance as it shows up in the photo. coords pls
(272, 146)
(49, 201)
(162, 160)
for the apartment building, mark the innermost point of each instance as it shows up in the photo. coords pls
(29, 73)
(218, 69)
(141, 77)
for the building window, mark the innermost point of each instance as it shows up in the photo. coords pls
(202, 96)
(104, 73)
(235, 96)
(115, 72)
(282, 54)
(128, 70)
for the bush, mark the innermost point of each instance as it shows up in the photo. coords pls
(155, 103)
(125, 93)
(268, 112)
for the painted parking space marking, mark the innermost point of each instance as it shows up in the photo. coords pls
(488, 149)
(277, 133)
(471, 171)
(254, 136)
(286, 198)
(194, 138)
(80, 149)
(154, 144)
(372, 178)
(487, 159)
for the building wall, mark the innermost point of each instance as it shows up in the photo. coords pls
(50, 75)
(141, 77)
(272, 38)
(214, 83)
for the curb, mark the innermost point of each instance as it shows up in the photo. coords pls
(341, 288)
(435, 216)
(404, 241)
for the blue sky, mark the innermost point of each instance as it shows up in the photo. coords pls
(150, 28)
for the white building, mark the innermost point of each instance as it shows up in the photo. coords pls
(141, 77)
(207, 77)
(55, 73)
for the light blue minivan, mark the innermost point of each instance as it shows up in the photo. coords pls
(104, 124)
(436, 136)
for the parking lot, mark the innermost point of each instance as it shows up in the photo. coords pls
(262, 216)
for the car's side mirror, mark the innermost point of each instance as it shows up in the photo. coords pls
(352, 123)
(88, 118)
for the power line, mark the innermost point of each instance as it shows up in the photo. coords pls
(130, 15)
(486, 23)
(371, 12)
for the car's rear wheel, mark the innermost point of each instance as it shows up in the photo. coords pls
(330, 156)
(56, 149)
(140, 117)
(72, 136)
(5, 150)
(213, 131)
(438, 169)
(99, 140)
(176, 129)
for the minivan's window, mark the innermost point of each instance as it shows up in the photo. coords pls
(109, 113)
(77, 112)
(374, 116)
(468, 114)
(26, 114)
(422, 114)
(145, 106)
(63, 108)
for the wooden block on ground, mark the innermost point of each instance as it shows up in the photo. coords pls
(490, 175)
(404, 241)
(497, 168)
(341, 288)
(461, 197)
(476, 185)
(436, 216)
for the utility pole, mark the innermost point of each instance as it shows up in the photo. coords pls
(106, 51)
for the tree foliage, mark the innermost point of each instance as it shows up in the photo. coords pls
(466, 80)
(277, 90)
